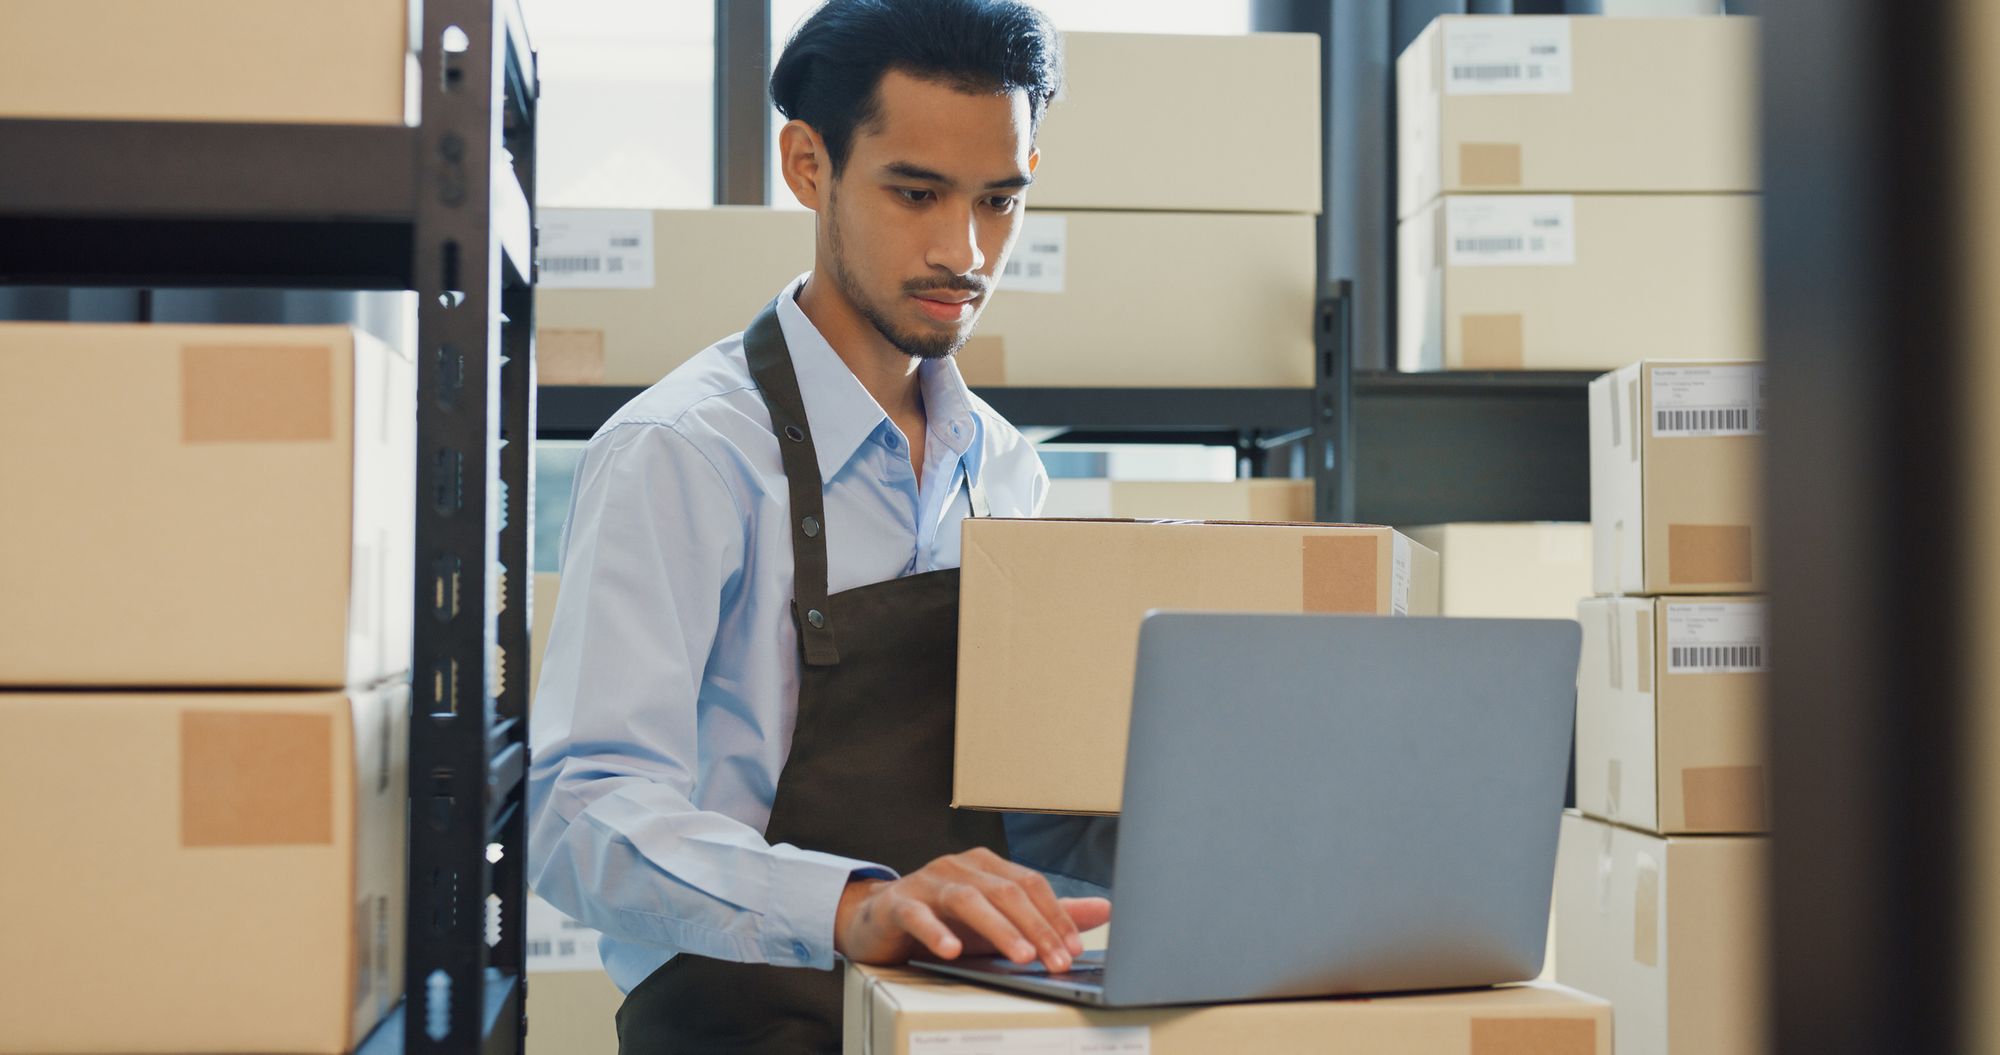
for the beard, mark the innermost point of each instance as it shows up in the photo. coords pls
(915, 344)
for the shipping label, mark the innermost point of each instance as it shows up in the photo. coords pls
(1125, 1040)
(1510, 230)
(1716, 638)
(1506, 56)
(595, 249)
(1036, 265)
(1708, 400)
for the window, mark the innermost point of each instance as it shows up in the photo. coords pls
(628, 102)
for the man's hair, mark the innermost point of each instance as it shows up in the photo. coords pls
(831, 71)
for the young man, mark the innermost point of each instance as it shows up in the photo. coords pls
(743, 728)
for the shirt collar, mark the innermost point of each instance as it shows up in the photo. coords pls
(843, 415)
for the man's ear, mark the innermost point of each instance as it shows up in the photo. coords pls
(803, 163)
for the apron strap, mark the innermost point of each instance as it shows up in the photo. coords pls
(771, 367)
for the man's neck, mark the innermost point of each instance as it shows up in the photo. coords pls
(883, 369)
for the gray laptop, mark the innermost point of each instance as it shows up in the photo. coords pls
(1319, 805)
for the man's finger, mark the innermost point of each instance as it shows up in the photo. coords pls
(1044, 897)
(968, 905)
(1088, 913)
(917, 919)
(1013, 899)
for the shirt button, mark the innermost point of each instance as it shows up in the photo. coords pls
(800, 951)
(954, 430)
(890, 441)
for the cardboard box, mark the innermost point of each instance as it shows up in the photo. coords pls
(1577, 282)
(1225, 300)
(1049, 618)
(228, 876)
(1510, 571)
(1543, 104)
(1670, 713)
(1676, 454)
(350, 63)
(1671, 930)
(897, 1011)
(1110, 139)
(1267, 500)
(685, 279)
(572, 1004)
(205, 506)
(547, 585)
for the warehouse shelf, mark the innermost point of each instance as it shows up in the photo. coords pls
(442, 209)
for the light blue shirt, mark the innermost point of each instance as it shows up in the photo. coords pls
(669, 683)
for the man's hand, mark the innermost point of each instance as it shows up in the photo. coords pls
(976, 901)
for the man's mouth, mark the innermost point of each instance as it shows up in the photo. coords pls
(946, 305)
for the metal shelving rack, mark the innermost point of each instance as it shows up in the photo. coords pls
(443, 209)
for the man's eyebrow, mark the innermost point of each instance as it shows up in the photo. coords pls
(923, 175)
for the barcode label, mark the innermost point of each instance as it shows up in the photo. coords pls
(1510, 230)
(1720, 638)
(595, 249)
(1102, 1040)
(556, 942)
(1708, 400)
(1506, 56)
(1036, 264)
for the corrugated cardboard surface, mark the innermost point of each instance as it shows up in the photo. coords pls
(166, 531)
(1674, 753)
(1049, 629)
(572, 1013)
(206, 60)
(1222, 299)
(1655, 277)
(886, 1006)
(1656, 105)
(1670, 930)
(1669, 512)
(1282, 501)
(1110, 141)
(285, 937)
(713, 270)
(1510, 571)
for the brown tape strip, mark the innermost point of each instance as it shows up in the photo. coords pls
(569, 357)
(1339, 573)
(1534, 1036)
(1642, 670)
(1724, 798)
(1489, 164)
(1646, 913)
(1491, 342)
(256, 779)
(1708, 553)
(1638, 424)
(1614, 789)
(256, 393)
(1617, 650)
(983, 361)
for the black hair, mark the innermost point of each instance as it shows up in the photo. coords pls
(831, 70)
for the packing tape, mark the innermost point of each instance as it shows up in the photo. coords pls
(240, 393)
(1617, 651)
(1605, 870)
(1534, 1036)
(1489, 164)
(252, 778)
(1614, 789)
(569, 357)
(982, 361)
(1642, 668)
(1708, 553)
(1725, 798)
(1491, 342)
(1646, 911)
(1339, 573)
(1638, 425)
(364, 952)
(1617, 426)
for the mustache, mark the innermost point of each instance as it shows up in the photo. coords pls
(954, 283)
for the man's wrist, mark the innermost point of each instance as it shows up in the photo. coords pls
(858, 888)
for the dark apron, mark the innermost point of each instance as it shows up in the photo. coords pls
(869, 774)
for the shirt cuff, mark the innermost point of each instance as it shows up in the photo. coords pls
(805, 895)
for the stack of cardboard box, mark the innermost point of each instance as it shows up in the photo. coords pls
(1659, 886)
(204, 652)
(1140, 262)
(1575, 193)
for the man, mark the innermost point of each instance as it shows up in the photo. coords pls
(743, 727)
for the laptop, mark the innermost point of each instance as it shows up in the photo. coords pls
(1318, 805)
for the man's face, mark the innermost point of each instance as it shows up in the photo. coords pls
(923, 215)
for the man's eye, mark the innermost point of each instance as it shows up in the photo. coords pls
(914, 197)
(1004, 203)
